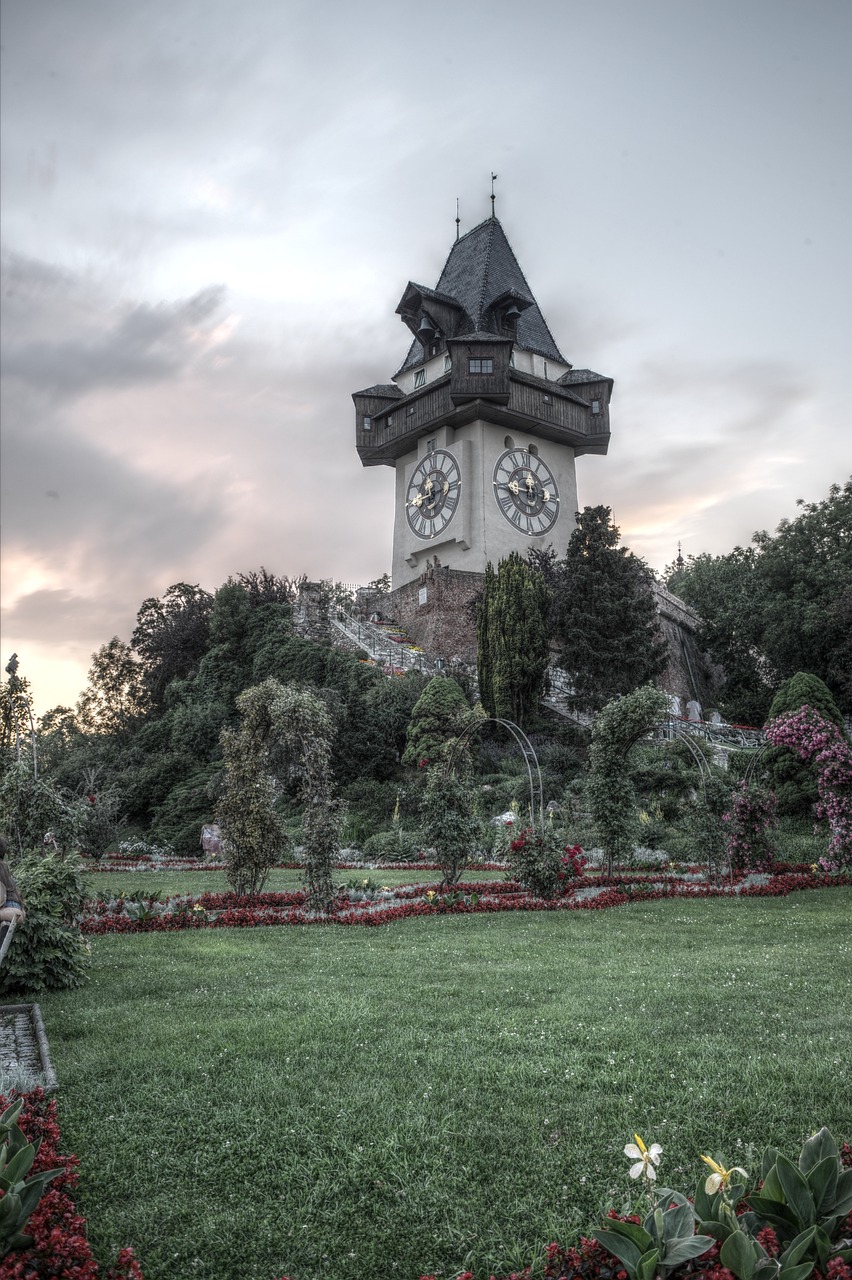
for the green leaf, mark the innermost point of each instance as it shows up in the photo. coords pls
(797, 1249)
(816, 1149)
(737, 1254)
(646, 1270)
(772, 1189)
(822, 1243)
(625, 1250)
(718, 1230)
(18, 1168)
(705, 1206)
(843, 1200)
(682, 1250)
(678, 1222)
(633, 1232)
(796, 1191)
(768, 1159)
(774, 1211)
(822, 1181)
(796, 1273)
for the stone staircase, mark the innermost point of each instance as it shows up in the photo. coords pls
(391, 655)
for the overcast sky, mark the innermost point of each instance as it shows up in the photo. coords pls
(211, 210)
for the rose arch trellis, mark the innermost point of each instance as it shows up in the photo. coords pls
(527, 751)
(820, 743)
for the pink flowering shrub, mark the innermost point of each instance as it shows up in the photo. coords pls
(818, 741)
(750, 821)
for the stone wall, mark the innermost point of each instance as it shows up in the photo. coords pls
(690, 674)
(436, 611)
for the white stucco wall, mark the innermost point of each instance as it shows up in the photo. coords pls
(478, 532)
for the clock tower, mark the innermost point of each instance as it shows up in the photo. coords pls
(483, 420)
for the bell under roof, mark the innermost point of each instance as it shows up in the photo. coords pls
(482, 268)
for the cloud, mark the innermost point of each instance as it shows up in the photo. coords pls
(134, 344)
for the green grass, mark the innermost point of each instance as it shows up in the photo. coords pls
(169, 883)
(362, 1103)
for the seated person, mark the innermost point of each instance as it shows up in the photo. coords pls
(13, 905)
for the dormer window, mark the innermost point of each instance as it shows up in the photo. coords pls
(480, 364)
(368, 423)
(596, 406)
(419, 378)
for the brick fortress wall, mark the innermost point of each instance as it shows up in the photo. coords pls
(436, 611)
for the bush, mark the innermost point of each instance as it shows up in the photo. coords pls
(792, 779)
(541, 863)
(751, 820)
(396, 845)
(30, 807)
(449, 822)
(47, 952)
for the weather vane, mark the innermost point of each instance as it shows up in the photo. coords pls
(458, 219)
(493, 180)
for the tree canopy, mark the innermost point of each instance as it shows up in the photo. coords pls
(781, 605)
(603, 613)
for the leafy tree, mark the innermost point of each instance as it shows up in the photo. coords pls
(171, 636)
(17, 724)
(31, 806)
(439, 715)
(116, 699)
(792, 779)
(283, 730)
(512, 640)
(603, 613)
(620, 724)
(449, 822)
(782, 605)
(254, 834)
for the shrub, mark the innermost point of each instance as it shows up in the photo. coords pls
(396, 845)
(30, 807)
(610, 791)
(47, 951)
(449, 822)
(793, 779)
(751, 820)
(542, 864)
(439, 715)
(21, 1194)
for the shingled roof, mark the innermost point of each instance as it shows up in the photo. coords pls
(481, 268)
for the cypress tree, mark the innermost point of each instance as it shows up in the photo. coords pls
(512, 636)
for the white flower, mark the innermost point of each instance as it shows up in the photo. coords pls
(646, 1158)
(720, 1177)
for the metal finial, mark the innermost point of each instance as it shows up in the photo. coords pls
(493, 180)
(458, 219)
(679, 561)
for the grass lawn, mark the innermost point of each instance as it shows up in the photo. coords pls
(168, 883)
(359, 1103)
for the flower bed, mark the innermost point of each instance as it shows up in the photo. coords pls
(59, 1249)
(382, 906)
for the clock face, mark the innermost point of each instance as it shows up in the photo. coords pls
(525, 491)
(433, 494)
